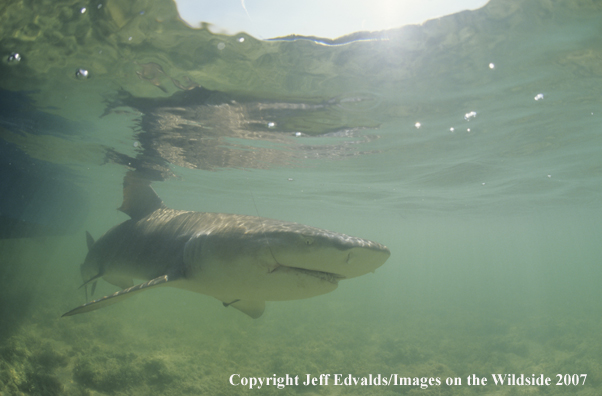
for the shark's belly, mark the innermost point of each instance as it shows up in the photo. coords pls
(245, 269)
(232, 282)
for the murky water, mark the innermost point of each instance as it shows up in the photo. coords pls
(470, 146)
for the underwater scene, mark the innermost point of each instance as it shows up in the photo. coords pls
(456, 164)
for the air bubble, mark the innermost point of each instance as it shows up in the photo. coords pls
(539, 96)
(221, 46)
(417, 125)
(83, 10)
(241, 39)
(491, 66)
(136, 144)
(271, 124)
(81, 74)
(298, 134)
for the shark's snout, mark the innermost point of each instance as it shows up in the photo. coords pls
(339, 255)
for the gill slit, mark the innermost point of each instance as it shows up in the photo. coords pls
(263, 233)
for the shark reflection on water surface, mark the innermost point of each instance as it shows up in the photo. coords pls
(198, 128)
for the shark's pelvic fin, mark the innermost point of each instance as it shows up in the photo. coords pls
(139, 198)
(118, 296)
(252, 308)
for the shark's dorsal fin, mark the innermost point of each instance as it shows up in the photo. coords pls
(117, 296)
(139, 198)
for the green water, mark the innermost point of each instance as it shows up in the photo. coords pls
(494, 226)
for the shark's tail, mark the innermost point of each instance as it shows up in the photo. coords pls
(85, 270)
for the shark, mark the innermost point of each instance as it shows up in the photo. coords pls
(242, 261)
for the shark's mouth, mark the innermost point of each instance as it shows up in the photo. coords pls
(327, 276)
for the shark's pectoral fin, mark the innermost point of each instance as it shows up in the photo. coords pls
(117, 296)
(252, 308)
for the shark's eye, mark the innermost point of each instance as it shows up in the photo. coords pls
(308, 241)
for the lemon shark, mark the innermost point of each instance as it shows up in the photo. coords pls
(243, 261)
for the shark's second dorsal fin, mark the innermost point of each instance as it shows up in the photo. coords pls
(139, 198)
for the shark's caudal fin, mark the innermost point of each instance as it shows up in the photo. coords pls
(118, 296)
(139, 198)
(93, 279)
(89, 240)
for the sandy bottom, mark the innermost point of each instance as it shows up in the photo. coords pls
(169, 353)
(173, 342)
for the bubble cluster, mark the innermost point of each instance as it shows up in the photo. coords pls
(14, 57)
(470, 115)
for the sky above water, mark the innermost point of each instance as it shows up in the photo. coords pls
(330, 19)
